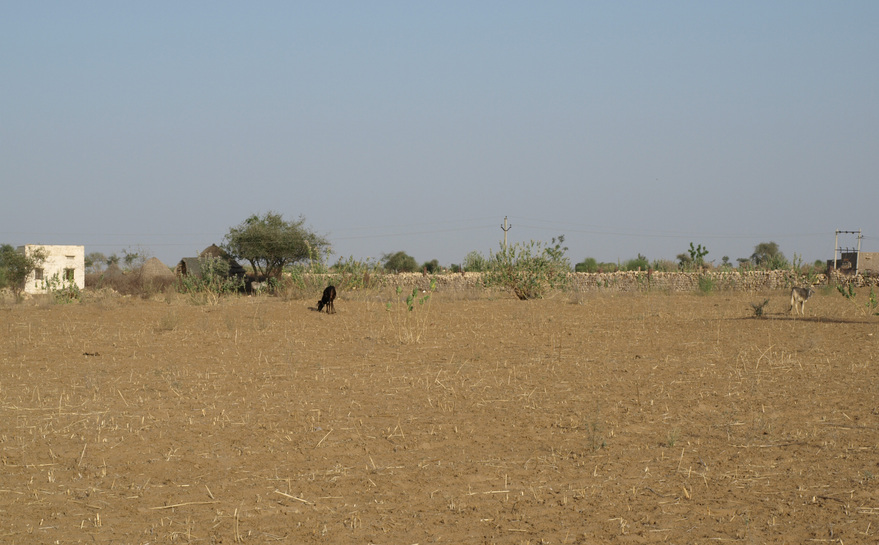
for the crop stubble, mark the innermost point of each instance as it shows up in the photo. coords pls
(636, 418)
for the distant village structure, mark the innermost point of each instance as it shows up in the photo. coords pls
(64, 265)
(869, 263)
(866, 263)
(191, 266)
(852, 261)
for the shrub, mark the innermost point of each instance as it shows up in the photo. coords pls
(15, 266)
(475, 262)
(758, 308)
(431, 266)
(529, 270)
(685, 262)
(62, 291)
(588, 265)
(664, 265)
(869, 308)
(776, 263)
(353, 274)
(639, 263)
(706, 284)
(213, 282)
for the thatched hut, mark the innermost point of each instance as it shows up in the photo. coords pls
(235, 268)
(191, 266)
(156, 275)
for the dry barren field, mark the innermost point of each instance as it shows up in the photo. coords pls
(596, 418)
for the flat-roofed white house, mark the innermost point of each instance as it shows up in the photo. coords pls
(63, 265)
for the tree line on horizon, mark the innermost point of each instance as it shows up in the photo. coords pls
(269, 244)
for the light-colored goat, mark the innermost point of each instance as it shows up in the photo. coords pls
(798, 298)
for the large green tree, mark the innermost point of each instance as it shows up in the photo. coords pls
(15, 266)
(269, 243)
(399, 262)
(767, 255)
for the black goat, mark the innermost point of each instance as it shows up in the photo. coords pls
(327, 300)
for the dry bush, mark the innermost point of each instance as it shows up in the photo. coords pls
(130, 283)
(124, 283)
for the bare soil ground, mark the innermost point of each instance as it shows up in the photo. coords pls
(636, 418)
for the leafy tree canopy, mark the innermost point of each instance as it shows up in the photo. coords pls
(399, 262)
(15, 266)
(431, 266)
(766, 254)
(588, 265)
(269, 243)
(94, 261)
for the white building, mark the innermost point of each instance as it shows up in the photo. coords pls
(868, 263)
(63, 265)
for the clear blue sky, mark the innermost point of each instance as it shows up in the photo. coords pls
(629, 127)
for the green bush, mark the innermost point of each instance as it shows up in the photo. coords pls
(62, 291)
(15, 266)
(591, 265)
(529, 270)
(588, 265)
(665, 265)
(869, 308)
(353, 274)
(432, 266)
(706, 284)
(475, 262)
(776, 263)
(213, 282)
(639, 263)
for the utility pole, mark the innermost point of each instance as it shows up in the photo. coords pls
(506, 228)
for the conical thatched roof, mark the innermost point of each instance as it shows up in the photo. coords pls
(154, 269)
(191, 266)
(235, 268)
(214, 251)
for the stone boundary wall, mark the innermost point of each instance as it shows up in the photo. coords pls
(634, 281)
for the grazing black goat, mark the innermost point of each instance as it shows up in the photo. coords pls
(327, 300)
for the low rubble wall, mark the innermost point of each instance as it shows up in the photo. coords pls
(633, 281)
